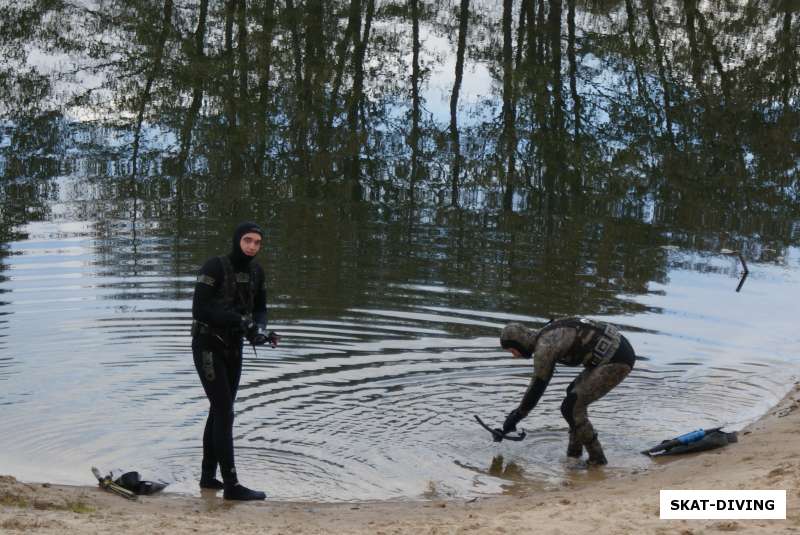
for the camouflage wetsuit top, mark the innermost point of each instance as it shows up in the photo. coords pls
(568, 341)
(607, 358)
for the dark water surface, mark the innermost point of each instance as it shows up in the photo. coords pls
(426, 172)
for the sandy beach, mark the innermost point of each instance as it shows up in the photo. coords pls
(767, 456)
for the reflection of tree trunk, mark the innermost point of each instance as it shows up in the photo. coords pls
(241, 12)
(522, 30)
(230, 12)
(715, 58)
(351, 143)
(353, 27)
(554, 22)
(293, 15)
(690, 8)
(509, 134)
(662, 74)
(265, 63)
(353, 21)
(725, 125)
(553, 142)
(641, 86)
(313, 36)
(415, 102)
(529, 9)
(454, 137)
(536, 86)
(356, 95)
(244, 107)
(787, 62)
(362, 52)
(233, 144)
(158, 54)
(315, 71)
(299, 125)
(197, 91)
(326, 128)
(358, 68)
(200, 31)
(540, 24)
(573, 67)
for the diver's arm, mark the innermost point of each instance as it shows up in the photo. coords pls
(543, 365)
(535, 390)
(550, 347)
(204, 305)
(260, 301)
(260, 335)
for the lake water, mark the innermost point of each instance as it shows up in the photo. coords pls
(399, 242)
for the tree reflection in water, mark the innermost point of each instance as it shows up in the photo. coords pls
(680, 114)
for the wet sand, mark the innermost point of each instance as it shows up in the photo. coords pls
(767, 456)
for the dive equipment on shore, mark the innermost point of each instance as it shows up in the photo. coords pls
(134, 483)
(128, 485)
(108, 484)
(697, 440)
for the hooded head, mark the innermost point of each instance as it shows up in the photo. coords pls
(238, 257)
(517, 336)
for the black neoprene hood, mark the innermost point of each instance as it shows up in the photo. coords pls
(237, 256)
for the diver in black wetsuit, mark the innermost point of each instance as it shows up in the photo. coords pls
(229, 305)
(607, 358)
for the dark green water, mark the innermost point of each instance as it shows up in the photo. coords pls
(592, 158)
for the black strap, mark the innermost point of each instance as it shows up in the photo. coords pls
(538, 334)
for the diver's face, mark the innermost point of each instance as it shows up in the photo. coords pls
(515, 352)
(250, 243)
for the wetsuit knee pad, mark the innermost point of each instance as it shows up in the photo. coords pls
(568, 408)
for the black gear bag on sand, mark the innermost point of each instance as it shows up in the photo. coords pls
(133, 482)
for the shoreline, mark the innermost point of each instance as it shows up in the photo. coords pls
(767, 456)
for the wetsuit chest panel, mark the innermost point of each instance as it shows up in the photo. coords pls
(238, 288)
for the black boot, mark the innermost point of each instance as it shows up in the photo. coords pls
(596, 455)
(211, 483)
(208, 479)
(240, 492)
(574, 448)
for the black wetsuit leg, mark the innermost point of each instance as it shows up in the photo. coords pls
(219, 373)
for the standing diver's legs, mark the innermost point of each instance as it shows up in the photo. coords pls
(589, 386)
(220, 377)
(218, 432)
(232, 371)
(204, 364)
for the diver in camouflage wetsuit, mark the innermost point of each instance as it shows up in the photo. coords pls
(607, 358)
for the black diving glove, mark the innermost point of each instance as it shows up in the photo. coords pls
(273, 338)
(260, 338)
(513, 418)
